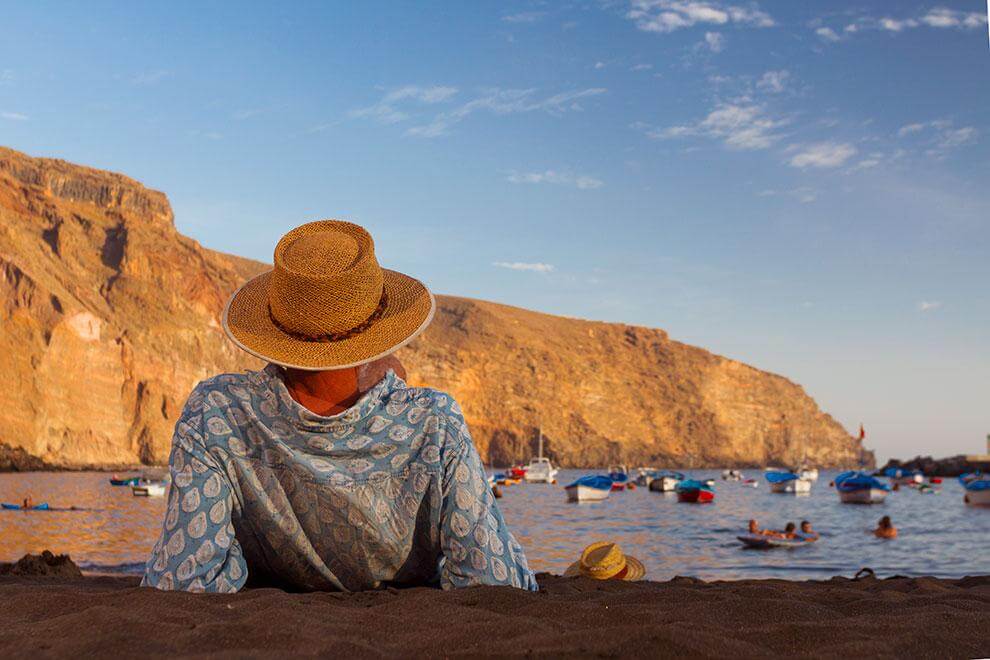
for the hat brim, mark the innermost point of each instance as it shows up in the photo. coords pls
(246, 320)
(634, 570)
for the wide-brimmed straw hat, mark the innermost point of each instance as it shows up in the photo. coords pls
(327, 304)
(606, 561)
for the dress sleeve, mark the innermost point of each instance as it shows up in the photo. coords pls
(477, 545)
(197, 549)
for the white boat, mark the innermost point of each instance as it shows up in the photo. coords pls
(666, 482)
(977, 488)
(808, 474)
(863, 496)
(148, 490)
(540, 469)
(644, 475)
(732, 475)
(793, 487)
(589, 489)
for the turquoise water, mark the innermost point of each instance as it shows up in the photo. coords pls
(939, 535)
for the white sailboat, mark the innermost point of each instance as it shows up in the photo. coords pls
(540, 469)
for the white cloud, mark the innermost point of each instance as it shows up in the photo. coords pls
(865, 164)
(524, 17)
(669, 15)
(828, 34)
(520, 265)
(773, 81)
(739, 125)
(941, 134)
(13, 116)
(504, 102)
(804, 195)
(715, 41)
(6, 76)
(580, 181)
(896, 25)
(938, 18)
(599, 65)
(386, 110)
(150, 77)
(641, 67)
(823, 155)
(929, 305)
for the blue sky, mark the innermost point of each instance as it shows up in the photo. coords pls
(799, 185)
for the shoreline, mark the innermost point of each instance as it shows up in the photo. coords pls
(898, 616)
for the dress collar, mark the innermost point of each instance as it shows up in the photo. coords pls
(306, 419)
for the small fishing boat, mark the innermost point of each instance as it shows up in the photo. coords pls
(903, 477)
(770, 541)
(860, 488)
(787, 482)
(666, 482)
(129, 481)
(645, 475)
(731, 475)
(751, 483)
(43, 506)
(148, 490)
(540, 469)
(807, 474)
(694, 492)
(592, 488)
(977, 486)
(619, 475)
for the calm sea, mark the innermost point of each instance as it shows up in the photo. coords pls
(939, 535)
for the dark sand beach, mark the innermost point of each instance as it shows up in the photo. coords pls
(60, 615)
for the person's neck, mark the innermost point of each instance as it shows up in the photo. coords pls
(323, 392)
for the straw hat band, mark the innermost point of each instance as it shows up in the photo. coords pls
(336, 336)
(326, 281)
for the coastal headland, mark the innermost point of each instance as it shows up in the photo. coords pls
(109, 316)
(62, 615)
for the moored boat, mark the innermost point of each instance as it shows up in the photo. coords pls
(619, 475)
(148, 490)
(43, 506)
(694, 492)
(860, 488)
(128, 481)
(731, 475)
(787, 482)
(751, 483)
(977, 486)
(903, 477)
(666, 482)
(592, 488)
(540, 469)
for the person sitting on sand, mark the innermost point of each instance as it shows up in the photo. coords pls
(324, 470)
(807, 532)
(885, 529)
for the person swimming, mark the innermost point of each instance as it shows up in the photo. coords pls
(789, 530)
(885, 529)
(807, 532)
(754, 527)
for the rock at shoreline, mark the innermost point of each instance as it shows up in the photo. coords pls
(109, 316)
(15, 459)
(952, 466)
(47, 564)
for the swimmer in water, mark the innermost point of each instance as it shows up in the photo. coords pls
(885, 529)
(807, 532)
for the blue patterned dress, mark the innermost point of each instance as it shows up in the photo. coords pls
(390, 491)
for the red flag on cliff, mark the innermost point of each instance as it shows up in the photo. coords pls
(862, 432)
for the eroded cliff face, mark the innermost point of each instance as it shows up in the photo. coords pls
(110, 316)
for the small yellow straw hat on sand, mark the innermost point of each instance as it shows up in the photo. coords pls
(327, 304)
(605, 561)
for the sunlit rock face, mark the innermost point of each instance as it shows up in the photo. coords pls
(109, 316)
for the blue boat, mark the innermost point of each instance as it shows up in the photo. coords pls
(903, 476)
(977, 486)
(860, 488)
(17, 507)
(592, 488)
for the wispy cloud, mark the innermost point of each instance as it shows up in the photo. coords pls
(938, 18)
(641, 67)
(804, 195)
(739, 125)
(714, 41)
(386, 112)
(6, 76)
(13, 116)
(521, 265)
(147, 78)
(928, 305)
(940, 135)
(669, 15)
(823, 155)
(524, 17)
(504, 102)
(579, 181)
(773, 81)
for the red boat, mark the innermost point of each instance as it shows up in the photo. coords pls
(616, 486)
(517, 472)
(694, 492)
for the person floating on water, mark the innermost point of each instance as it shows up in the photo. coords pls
(28, 503)
(324, 470)
(754, 527)
(885, 529)
(807, 532)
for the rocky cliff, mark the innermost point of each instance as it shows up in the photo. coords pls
(109, 316)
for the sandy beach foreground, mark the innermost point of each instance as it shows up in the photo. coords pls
(896, 617)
